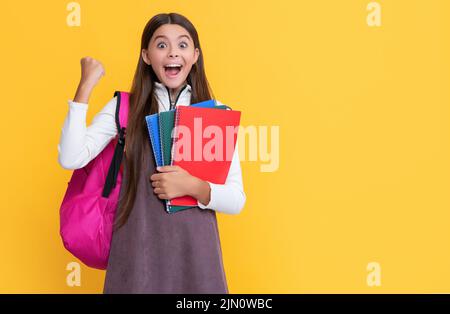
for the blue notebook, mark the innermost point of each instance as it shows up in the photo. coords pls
(153, 131)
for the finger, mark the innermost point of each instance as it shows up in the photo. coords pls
(168, 168)
(156, 177)
(163, 196)
(158, 190)
(156, 184)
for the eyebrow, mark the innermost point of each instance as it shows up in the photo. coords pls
(166, 37)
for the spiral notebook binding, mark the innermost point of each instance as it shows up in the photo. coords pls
(174, 138)
(175, 133)
(161, 135)
(153, 141)
(161, 132)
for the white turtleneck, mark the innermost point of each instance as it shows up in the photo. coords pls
(79, 144)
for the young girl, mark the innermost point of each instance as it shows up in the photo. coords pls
(153, 251)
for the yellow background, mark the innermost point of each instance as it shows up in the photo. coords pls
(364, 122)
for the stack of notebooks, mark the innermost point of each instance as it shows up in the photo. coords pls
(196, 138)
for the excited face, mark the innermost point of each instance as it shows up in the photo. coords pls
(171, 53)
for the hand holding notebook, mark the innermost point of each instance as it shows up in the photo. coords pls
(203, 144)
(166, 139)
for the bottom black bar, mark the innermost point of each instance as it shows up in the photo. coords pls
(214, 303)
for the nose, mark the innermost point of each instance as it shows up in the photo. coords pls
(173, 53)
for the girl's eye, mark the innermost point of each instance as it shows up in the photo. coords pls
(163, 44)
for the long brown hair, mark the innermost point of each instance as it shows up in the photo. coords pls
(143, 102)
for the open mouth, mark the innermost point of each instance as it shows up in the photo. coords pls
(172, 70)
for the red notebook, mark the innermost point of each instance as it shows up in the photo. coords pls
(203, 144)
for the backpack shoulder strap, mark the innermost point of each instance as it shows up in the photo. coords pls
(121, 115)
(123, 104)
(122, 108)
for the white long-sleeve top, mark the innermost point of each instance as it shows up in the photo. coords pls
(79, 144)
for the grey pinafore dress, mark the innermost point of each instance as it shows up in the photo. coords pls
(158, 252)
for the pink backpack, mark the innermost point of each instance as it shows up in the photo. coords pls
(89, 205)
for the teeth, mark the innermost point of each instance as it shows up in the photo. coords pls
(172, 65)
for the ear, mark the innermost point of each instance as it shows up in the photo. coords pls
(197, 54)
(145, 56)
